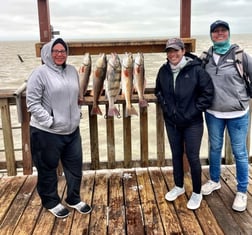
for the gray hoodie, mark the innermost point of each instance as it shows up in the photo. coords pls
(52, 95)
(230, 91)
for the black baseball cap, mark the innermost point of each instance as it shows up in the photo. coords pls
(218, 23)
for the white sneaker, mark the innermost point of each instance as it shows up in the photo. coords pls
(59, 211)
(209, 187)
(174, 193)
(240, 202)
(194, 202)
(81, 207)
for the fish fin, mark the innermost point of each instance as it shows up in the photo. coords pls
(131, 111)
(92, 92)
(81, 101)
(113, 112)
(134, 89)
(96, 111)
(143, 103)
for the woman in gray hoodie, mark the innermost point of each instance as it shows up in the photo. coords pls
(229, 110)
(52, 100)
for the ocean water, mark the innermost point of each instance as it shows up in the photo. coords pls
(13, 73)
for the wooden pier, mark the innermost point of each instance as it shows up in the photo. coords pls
(125, 201)
(127, 195)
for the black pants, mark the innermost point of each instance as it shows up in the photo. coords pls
(190, 137)
(47, 149)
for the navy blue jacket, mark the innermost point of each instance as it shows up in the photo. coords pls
(193, 93)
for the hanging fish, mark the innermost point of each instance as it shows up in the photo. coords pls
(139, 79)
(99, 75)
(127, 83)
(84, 75)
(112, 83)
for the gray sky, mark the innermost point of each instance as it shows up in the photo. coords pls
(91, 19)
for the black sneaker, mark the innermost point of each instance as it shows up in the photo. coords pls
(81, 207)
(59, 211)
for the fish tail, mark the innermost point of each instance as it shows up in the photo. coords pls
(113, 112)
(96, 110)
(131, 111)
(143, 103)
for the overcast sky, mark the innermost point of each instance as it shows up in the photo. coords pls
(90, 19)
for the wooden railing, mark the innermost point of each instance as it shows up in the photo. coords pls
(143, 133)
(138, 136)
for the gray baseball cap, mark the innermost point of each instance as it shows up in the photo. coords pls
(174, 43)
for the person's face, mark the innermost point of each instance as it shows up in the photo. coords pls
(220, 34)
(175, 56)
(59, 54)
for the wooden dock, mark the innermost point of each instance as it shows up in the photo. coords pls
(125, 201)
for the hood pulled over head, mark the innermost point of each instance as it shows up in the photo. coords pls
(46, 51)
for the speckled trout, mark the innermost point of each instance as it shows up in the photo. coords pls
(112, 83)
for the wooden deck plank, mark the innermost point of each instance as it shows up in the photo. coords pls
(62, 226)
(98, 221)
(10, 192)
(133, 210)
(151, 216)
(18, 204)
(249, 193)
(223, 215)
(125, 201)
(188, 221)
(243, 218)
(31, 211)
(46, 220)
(167, 212)
(116, 210)
(204, 214)
(80, 223)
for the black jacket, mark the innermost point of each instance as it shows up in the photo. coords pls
(193, 93)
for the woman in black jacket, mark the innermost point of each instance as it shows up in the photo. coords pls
(184, 91)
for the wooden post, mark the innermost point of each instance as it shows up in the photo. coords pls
(8, 137)
(110, 140)
(185, 18)
(143, 123)
(185, 31)
(44, 21)
(27, 158)
(160, 135)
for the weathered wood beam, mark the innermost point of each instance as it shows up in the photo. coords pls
(120, 46)
(185, 18)
(44, 21)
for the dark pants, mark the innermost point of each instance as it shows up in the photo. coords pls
(190, 138)
(47, 149)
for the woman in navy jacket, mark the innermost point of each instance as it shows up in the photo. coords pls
(184, 91)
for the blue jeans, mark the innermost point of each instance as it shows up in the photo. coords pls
(237, 130)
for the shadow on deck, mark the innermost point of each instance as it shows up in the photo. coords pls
(125, 201)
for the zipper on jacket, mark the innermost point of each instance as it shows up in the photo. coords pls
(217, 69)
